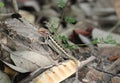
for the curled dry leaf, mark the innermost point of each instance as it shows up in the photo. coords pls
(57, 74)
(114, 57)
(29, 60)
(18, 69)
(86, 40)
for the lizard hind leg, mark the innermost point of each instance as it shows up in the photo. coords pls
(76, 73)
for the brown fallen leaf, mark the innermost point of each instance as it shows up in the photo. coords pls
(58, 73)
(113, 58)
(94, 75)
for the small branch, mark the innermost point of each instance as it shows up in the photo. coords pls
(34, 74)
(106, 72)
(115, 27)
(15, 6)
(113, 69)
(84, 63)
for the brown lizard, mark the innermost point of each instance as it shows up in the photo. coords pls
(61, 50)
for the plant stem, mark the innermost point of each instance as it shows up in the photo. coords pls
(83, 44)
(62, 15)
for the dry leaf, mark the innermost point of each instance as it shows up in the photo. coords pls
(114, 57)
(56, 74)
(15, 67)
(27, 16)
(29, 60)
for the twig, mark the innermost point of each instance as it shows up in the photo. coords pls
(84, 63)
(62, 15)
(15, 6)
(106, 72)
(114, 69)
(33, 75)
(115, 27)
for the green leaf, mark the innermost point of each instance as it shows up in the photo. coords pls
(63, 38)
(95, 41)
(52, 25)
(61, 3)
(56, 37)
(1, 4)
(107, 40)
(69, 19)
(109, 37)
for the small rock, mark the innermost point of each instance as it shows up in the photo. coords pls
(94, 75)
(116, 80)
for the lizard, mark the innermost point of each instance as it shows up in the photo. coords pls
(51, 39)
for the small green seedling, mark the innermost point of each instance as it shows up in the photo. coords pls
(61, 3)
(69, 19)
(65, 43)
(52, 26)
(1, 4)
(107, 40)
